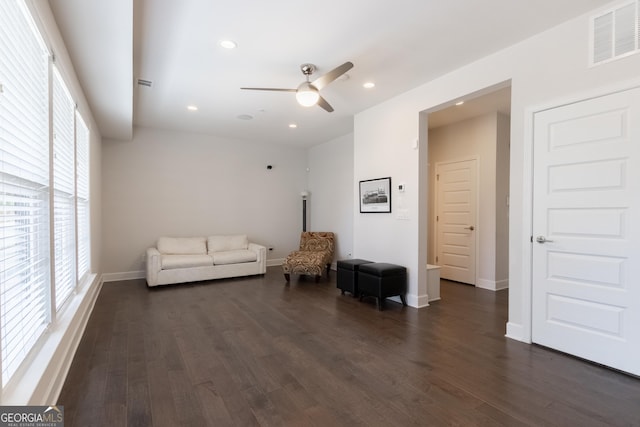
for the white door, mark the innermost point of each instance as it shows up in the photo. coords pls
(586, 275)
(456, 220)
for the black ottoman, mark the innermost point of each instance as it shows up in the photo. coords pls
(382, 280)
(348, 275)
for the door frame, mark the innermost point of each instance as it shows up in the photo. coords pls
(436, 204)
(523, 331)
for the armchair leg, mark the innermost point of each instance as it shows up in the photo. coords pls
(328, 269)
(318, 278)
(287, 277)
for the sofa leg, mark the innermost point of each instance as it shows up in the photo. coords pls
(287, 277)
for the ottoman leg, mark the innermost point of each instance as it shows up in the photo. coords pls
(403, 299)
(287, 277)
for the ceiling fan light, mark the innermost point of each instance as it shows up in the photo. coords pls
(307, 95)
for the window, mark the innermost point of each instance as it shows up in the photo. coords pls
(30, 293)
(63, 190)
(24, 186)
(82, 198)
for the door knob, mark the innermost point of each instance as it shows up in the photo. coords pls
(470, 228)
(542, 239)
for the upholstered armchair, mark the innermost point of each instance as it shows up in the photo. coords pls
(315, 254)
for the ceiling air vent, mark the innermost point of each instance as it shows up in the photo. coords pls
(143, 82)
(614, 33)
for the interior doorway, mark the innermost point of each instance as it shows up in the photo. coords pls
(475, 126)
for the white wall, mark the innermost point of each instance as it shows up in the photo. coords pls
(330, 179)
(166, 183)
(473, 138)
(550, 67)
(384, 150)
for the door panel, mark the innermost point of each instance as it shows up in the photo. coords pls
(586, 267)
(456, 220)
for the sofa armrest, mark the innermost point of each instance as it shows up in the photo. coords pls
(261, 253)
(153, 266)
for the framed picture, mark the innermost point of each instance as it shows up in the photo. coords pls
(375, 195)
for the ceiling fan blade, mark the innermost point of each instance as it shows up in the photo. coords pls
(325, 105)
(324, 80)
(268, 88)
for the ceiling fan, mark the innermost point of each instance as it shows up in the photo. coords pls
(308, 93)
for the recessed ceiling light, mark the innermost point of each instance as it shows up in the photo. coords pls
(459, 103)
(369, 85)
(293, 125)
(192, 108)
(228, 44)
(245, 117)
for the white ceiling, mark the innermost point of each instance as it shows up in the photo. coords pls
(397, 44)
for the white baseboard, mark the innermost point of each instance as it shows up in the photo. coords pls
(502, 284)
(492, 285)
(275, 262)
(417, 301)
(124, 275)
(515, 331)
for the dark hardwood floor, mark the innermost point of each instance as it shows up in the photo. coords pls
(253, 351)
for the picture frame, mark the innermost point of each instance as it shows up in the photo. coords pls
(375, 195)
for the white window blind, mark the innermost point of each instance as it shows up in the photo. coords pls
(63, 190)
(24, 185)
(82, 197)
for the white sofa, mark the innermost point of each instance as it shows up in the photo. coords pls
(190, 259)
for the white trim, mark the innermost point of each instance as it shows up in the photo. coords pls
(124, 275)
(502, 284)
(515, 331)
(492, 285)
(417, 301)
(275, 262)
(526, 304)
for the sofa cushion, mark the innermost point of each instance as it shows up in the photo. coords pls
(182, 245)
(227, 243)
(234, 257)
(170, 262)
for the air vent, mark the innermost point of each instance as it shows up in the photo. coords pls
(143, 82)
(615, 34)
